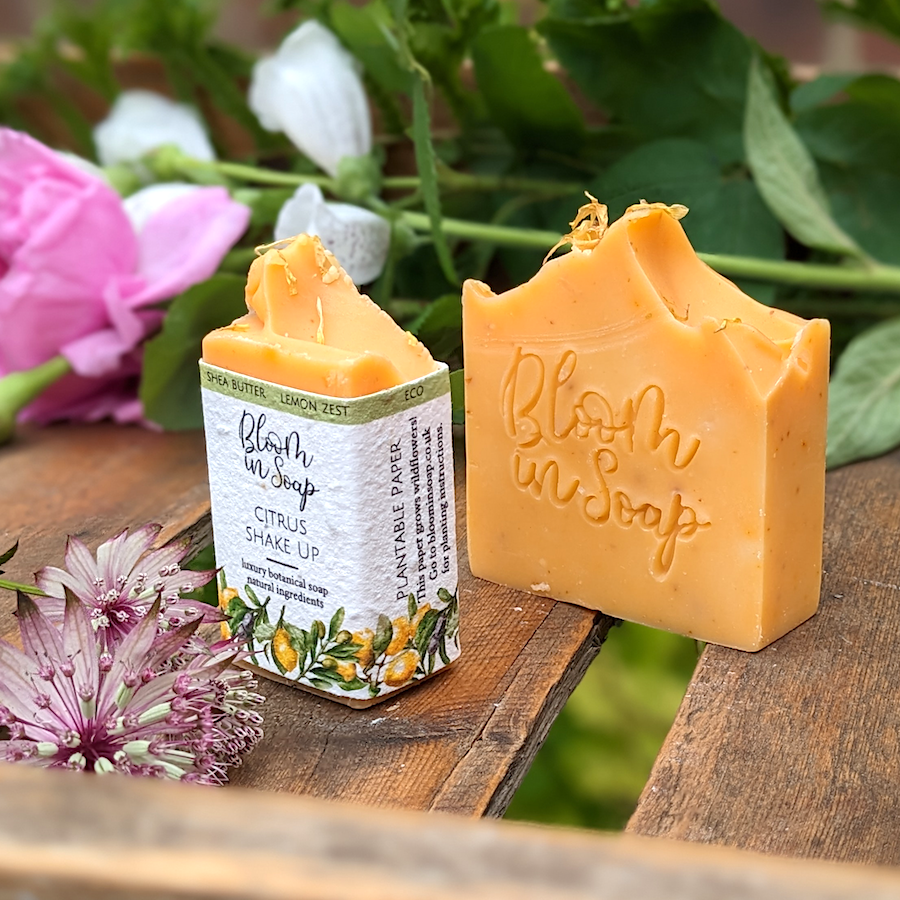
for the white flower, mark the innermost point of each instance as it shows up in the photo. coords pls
(143, 204)
(311, 90)
(141, 121)
(359, 239)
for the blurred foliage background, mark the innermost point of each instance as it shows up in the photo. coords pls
(599, 753)
(651, 103)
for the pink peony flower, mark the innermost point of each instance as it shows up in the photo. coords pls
(79, 279)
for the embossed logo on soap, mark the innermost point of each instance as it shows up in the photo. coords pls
(546, 415)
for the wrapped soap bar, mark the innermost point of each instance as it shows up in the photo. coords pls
(644, 439)
(328, 433)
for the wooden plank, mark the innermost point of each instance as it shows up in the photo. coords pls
(461, 742)
(795, 750)
(70, 837)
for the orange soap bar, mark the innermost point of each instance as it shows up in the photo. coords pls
(644, 439)
(309, 328)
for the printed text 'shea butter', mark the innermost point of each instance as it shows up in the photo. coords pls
(331, 476)
(645, 439)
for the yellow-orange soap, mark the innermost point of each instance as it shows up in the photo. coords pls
(309, 328)
(644, 439)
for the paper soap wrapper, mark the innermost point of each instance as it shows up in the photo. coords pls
(335, 531)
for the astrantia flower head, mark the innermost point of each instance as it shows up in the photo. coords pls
(67, 702)
(119, 586)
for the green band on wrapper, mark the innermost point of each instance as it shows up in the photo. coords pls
(319, 408)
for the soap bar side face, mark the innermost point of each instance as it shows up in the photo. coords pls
(795, 485)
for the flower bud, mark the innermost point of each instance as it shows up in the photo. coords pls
(311, 90)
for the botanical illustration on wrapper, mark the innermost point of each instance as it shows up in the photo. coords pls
(376, 657)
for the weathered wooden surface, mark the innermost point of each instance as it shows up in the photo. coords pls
(460, 743)
(67, 837)
(796, 750)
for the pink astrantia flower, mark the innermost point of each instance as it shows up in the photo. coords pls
(66, 702)
(77, 278)
(119, 586)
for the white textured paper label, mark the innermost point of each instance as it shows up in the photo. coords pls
(335, 532)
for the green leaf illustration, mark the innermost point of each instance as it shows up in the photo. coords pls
(346, 651)
(263, 631)
(320, 683)
(864, 397)
(785, 172)
(383, 634)
(425, 630)
(335, 625)
(411, 606)
(353, 685)
(251, 594)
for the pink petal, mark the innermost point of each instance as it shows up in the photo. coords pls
(80, 646)
(40, 639)
(63, 237)
(185, 241)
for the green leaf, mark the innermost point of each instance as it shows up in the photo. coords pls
(458, 396)
(335, 625)
(425, 162)
(353, 685)
(810, 94)
(411, 606)
(529, 104)
(439, 326)
(384, 631)
(864, 396)
(786, 173)
(7, 555)
(727, 214)
(662, 69)
(170, 384)
(320, 684)
(362, 30)
(251, 594)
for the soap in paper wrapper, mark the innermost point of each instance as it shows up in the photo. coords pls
(335, 533)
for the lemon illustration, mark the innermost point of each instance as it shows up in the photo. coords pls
(226, 595)
(346, 669)
(401, 668)
(402, 633)
(283, 651)
(365, 654)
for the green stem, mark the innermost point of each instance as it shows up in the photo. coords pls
(18, 389)
(448, 178)
(24, 588)
(872, 279)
